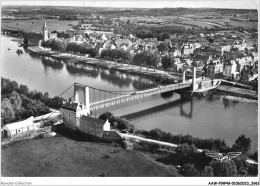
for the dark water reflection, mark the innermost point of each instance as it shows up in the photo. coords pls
(83, 71)
(54, 64)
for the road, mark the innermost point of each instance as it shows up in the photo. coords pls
(151, 140)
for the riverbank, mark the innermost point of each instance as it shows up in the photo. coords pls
(243, 100)
(238, 92)
(125, 68)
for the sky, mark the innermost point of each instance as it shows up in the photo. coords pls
(246, 4)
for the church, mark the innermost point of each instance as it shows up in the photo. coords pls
(45, 36)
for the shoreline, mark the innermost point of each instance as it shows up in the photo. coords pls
(239, 99)
(158, 75)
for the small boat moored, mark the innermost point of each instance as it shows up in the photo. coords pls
(18, 51)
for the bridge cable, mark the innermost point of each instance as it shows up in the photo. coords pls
(69, 98)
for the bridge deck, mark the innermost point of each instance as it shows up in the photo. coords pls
(137, 95)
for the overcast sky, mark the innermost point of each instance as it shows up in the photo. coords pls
(246, 4)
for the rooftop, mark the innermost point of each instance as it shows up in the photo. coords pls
(70, 106)
(20, 124)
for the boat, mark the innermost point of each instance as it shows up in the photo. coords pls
(19, 51)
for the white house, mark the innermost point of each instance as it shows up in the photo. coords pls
(13, 129)
(230, 68)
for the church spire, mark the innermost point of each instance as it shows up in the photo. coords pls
(45, 31)
(44, 24)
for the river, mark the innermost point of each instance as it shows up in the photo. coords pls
(209, 117)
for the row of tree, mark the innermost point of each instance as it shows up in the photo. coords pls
(195, 163)
(242, 144)
(18, 102)
(146, 58)
(159, 32)
(72, 47)
(115, 54)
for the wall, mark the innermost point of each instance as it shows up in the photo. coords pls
(91, 128)
(19, 131)
(106, 126)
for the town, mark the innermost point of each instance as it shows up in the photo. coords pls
(197, 56)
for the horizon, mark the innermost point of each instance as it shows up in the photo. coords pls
(250, 5)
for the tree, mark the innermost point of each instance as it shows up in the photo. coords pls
(185, 153)
(24, 89)
(188, 170)
(167, 62)
(241, 164)
(152, 60)
(8, 86)
(242, 144)
(155, 133)
(15, 101)
(253, 169)
(138, 59)
(56, 102)
(7, 111)
(224, 168)
(105, 116)
(122, 124)
(165, 36)
(207, 172)
(163, 47)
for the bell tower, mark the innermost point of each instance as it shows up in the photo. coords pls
(45, 31)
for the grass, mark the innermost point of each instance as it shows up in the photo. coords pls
(65, 157)
(245, 25)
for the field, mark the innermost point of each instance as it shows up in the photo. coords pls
(245, 25)
(198, 23)
(63, 157)
(171, 24)
(35, 25)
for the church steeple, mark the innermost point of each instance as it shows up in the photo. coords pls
(45, 31)
(45, 26)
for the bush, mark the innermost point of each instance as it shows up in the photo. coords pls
(207, 172)
(188, 170)
(105, 116)
(116, 122)
(253, 169)
(224, 169)
(185, 154)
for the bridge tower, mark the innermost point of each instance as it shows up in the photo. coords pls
(85, 90)
(193, 69)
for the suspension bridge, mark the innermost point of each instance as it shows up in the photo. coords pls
(96, 99)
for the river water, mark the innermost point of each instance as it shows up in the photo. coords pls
(209, 117)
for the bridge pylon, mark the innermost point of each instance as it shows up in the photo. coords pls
(193, 69)
(85, 90)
